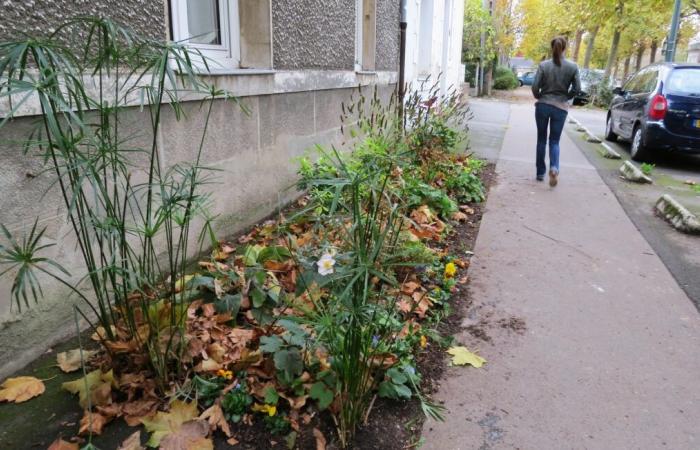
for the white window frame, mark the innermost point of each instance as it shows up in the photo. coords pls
(227, 55)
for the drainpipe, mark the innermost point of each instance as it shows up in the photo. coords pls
(402, 57)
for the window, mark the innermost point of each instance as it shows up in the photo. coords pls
(230, 34)
(684, 82)
(366, 35)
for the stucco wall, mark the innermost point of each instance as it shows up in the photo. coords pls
(388, 15)
(40, 17)
(318, 34)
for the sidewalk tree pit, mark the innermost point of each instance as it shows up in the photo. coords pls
(320, 310)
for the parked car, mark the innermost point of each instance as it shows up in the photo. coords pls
(589, 78)
(658, 109)
(526, 79)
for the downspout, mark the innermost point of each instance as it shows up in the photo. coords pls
(402, 58)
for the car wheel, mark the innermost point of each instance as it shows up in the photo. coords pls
(638, 151)
(609, 133)
(521, 83)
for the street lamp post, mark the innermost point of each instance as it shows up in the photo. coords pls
(673, 33)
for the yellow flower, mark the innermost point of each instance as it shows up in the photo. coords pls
(270, 410)
(450, 270)
(224, 374)
(423, 341)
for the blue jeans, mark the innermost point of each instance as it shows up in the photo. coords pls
(548, 116)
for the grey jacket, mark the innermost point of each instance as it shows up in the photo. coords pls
(554, 84)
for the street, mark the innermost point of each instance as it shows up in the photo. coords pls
(679, 252)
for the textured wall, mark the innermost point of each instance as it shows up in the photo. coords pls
(40, 17)
(388, 15)
(313, 34)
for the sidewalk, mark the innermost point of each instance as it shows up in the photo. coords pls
(610, 357)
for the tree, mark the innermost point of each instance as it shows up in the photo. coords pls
(477, 22)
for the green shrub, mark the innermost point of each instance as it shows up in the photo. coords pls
(601, 94)
(504, 79)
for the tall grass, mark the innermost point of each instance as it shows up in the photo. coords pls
(132, 223)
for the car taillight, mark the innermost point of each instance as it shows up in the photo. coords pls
(658, 107)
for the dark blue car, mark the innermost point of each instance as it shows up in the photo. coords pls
(658, 109)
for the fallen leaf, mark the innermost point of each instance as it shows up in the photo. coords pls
(135, 411)
(459, 216)
(232, 441)
(99, 388)
(164, 423)
(461, 356)
(21, 389)
(215, 416)
(101, 334)
(93, 423)
(133, 442)
(71, 360)
(60, 444)
(190, 435)
(320, 439)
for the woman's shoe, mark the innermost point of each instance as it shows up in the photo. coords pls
(553, 177)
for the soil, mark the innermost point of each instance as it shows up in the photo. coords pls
(392, 425)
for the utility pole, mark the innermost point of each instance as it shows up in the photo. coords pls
(673, 34)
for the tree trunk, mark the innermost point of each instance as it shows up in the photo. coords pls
(627, 68)
(589, 47)
(613, 53)
(640, 55)
(617, 68)
(654, 47)
(577, 45)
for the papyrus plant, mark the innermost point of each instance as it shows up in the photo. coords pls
(132, 222)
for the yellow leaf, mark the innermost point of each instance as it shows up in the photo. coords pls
(461, 356)
(96, 384)
(101, 334)
(163, 424)
(21, 389)
(133, 442)
(70, 361)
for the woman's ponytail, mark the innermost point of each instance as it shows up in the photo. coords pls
(558, 47)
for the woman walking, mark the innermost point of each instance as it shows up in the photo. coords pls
(556, 82)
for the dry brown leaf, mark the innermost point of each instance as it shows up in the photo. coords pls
(101, 334)
(295, 402)
(99, 388)
(21, 389)
(71, 360)
(215, 417)
(60, 444)
(134, 412)
(208, 365)
(459, 216)
(93, 423)
(191, 435)
(133, 442)
(163, 424)
(320, 439)
(232, 441)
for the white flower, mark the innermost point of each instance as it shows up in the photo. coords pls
(325, 264)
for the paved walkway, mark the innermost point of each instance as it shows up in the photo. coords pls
(610, 357)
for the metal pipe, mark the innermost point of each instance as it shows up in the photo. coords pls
(402, 57)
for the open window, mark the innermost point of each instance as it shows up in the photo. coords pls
(231, 34)
(366, 35)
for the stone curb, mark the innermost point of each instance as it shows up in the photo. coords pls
(608, 152)
(632, 173)
(679, 217)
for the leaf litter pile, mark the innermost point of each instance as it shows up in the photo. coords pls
(266, 324)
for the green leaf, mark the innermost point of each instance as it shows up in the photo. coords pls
(396, 375)
(271, 396)
(258, 297)
(289, 361)
(391, 390)
(321, 393)
(274, 253)
(271, 344)
(251, 253)
(228, 303)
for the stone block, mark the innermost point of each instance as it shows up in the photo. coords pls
(677, 215)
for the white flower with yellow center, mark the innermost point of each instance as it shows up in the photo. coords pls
(325, 264)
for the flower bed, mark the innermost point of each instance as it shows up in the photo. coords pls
(313, 315)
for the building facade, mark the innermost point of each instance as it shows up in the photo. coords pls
(291, 62)
(434, 43)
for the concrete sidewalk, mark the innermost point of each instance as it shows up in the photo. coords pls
(610, 357)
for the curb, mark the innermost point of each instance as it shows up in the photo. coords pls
(607, 152)
(679, 217)
(631, 172)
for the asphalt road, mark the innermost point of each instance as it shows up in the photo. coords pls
(679, 252)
